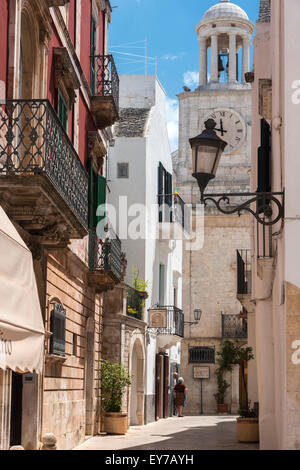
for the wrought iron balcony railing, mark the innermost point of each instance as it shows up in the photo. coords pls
(243, 272)
(33, 142)
(106, 82)
(174, 322)
(234, 327)
(106, 256)
(172, 208)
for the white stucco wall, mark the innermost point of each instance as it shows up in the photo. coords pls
(143, 155)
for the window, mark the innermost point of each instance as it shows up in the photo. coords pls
(123, 170)
(62, 111)
(97, 196)
(58, 329)
(202, 354)
(93, 53)
(162, 284)
(165, 194)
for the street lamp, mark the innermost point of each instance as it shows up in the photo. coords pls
(197, 317)
(207, 150)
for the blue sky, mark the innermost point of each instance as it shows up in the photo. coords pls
(169, 26)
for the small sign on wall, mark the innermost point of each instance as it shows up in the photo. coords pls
(201, 372)
(158, 318)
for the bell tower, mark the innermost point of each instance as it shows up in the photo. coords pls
(209, 270)
(224, 30)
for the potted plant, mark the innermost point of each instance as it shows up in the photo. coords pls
(247, 424)
(137, 296)
(114, 380)
(225, 358)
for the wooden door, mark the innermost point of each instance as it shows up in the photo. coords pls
(166, 385)
(159, 387)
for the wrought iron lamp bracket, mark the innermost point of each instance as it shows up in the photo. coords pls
(271, 217)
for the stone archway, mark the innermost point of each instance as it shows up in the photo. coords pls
(137, 389)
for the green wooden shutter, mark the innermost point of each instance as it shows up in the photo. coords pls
(93, 52)
(101, 194)
(92, 200)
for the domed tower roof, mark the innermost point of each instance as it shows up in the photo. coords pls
(225, 10)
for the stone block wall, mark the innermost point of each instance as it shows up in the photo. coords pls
(66, 387)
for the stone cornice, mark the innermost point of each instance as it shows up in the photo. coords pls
(67, 42)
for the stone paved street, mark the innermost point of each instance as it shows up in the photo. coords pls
(188, 433)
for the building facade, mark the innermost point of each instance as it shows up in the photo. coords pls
(210, 263)
(275, 269)
(140, 167)
(56, 116)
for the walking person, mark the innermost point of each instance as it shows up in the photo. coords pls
(181, 391)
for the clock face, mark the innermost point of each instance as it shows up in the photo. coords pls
(231, 127)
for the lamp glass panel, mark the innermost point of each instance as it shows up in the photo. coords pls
(217, 160)
(204, 159)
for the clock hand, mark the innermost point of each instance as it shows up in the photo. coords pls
(222, 128)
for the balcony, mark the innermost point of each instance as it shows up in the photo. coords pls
(167, 321)
(174, 217)
(105, 91)
(106, 262)
(135, 306)
(244, 278)
(43, 184)
(234, 327)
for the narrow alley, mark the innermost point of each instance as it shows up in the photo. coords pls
(189, 433)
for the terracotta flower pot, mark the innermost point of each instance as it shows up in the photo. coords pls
(223, 408)
(115, 423)
(247, 429)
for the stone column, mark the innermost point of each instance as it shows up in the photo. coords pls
(232, 57)
(246, 57)
(203, 62)
(214, 58)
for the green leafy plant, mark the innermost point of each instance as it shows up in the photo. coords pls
(114, 380)
(230, 354)
(225, 359)
(138, 284)
(136, 301)
(248, 412)
(243, 354)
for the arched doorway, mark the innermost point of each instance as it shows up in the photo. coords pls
(137, 368)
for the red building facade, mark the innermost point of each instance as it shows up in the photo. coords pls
(59, 99)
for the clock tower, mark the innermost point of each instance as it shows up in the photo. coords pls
(209, 274)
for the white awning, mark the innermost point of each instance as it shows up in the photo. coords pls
(21, 324)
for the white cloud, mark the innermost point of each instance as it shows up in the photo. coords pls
(172, 111)
(191, 78)
(170, 57)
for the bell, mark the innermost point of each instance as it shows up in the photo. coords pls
(220, 65)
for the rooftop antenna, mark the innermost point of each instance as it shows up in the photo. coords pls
(146, 56)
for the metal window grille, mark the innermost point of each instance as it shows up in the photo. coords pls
(202, 355)
(58, 330)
